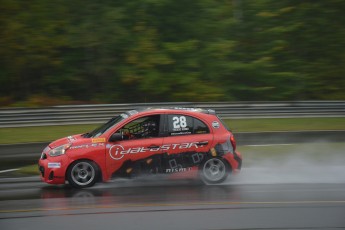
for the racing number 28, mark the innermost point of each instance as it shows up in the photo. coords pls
(179, 122)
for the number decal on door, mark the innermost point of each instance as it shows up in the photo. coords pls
(183, 122)
(179, 122)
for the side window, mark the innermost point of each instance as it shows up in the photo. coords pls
(185, 125)
(200, 127)
(144, 127)
(180, 125)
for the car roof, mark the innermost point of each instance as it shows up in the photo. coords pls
(172, 110)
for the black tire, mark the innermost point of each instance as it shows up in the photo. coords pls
(82, 174)
(214, 171)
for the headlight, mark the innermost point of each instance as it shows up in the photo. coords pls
(59, 150)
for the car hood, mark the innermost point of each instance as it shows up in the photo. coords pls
(65, 140)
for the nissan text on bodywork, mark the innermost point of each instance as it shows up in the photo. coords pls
(184, 142)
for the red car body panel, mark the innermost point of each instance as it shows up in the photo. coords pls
(112, 157)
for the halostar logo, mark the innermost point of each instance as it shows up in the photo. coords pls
(117, 152)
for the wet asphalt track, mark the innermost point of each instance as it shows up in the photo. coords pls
(304, 189)
(160, 204)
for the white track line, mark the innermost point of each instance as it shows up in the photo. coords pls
(8, 170)
(267, 145)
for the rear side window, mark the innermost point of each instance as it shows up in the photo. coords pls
(224, 124)
(185, 125)
(199, 127)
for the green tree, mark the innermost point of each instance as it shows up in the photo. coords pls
(171, 50)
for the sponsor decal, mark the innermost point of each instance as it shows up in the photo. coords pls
(98, 140)
(180, 133)
(180, 123)
(178, 170)
(117, 152)
(70, 138)
(54, 165)
(188, 109)
(197, 157)
(86, 146)
(215, 124)
(201, 131)
(158, 163)
(213, 152)
(79, 146)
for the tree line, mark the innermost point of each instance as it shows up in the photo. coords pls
(171, 50)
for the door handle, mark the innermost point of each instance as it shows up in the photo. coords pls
(201, 143)
(153, 147)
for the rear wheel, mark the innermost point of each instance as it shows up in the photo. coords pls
(82, 174)
(214, 171)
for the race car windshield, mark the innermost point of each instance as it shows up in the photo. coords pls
(105, 127)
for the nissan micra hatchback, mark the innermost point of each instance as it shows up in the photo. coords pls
(186, 142)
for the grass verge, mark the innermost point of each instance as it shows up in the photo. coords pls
(286, 124)
(41, 133)
(49, 133)
(31, 170)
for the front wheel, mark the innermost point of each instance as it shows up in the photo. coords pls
(82, 174)
(214, 171)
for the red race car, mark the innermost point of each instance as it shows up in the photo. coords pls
(175, 141)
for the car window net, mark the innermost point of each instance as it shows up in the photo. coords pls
(144, 129)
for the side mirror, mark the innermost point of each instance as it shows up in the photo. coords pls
(116, 137)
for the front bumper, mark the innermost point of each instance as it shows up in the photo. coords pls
(53, 169)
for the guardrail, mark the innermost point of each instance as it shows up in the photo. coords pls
(89, 114)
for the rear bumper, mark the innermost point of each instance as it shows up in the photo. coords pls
(238, 158)
(234, 160)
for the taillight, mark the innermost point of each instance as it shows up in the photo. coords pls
(233, 141)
